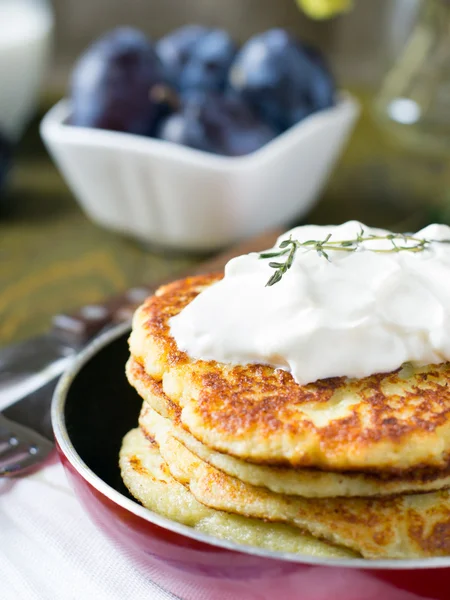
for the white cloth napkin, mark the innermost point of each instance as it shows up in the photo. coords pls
(50, 550)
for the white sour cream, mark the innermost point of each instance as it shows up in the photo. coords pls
(362, 313)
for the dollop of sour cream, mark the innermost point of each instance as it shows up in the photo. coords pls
(359, 313)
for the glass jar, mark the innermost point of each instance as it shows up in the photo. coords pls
(413, 104)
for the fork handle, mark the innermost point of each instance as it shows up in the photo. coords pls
(77, 328)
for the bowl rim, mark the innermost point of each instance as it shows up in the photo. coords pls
(63, 440)
(54, 128)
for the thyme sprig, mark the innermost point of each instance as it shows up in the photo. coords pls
(400, 242)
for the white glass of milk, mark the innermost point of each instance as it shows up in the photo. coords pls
(25, 42)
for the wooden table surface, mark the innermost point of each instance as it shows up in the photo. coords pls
(53, 259)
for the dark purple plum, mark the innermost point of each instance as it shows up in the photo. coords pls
(197, 58)
(174, 49)
(216, 123)
(117, 84)
(281, 79)
(208, 63)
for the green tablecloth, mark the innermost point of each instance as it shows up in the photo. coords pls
(52, 258)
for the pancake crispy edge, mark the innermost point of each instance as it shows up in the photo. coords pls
(409, 526)
(148, 479)
(301, 481)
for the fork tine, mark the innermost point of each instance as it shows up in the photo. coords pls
(5, 445)
(7, 450)
(20, 448)
(17, 462)
(21, 458)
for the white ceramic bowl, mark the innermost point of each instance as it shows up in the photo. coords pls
(176, 197)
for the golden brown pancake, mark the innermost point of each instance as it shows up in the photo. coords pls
(391, 423)
(148, 479)
(306, 482)
(409, 526)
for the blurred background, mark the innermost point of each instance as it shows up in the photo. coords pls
(392, 55)
(360, 44)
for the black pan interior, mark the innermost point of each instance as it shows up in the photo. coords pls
(100, 408)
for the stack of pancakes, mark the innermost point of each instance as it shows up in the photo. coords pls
(338, 467)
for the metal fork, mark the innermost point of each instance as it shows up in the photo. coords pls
(21, 448)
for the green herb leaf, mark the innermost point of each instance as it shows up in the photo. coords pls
(269, 254)
(289, 248)
(274, 279)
